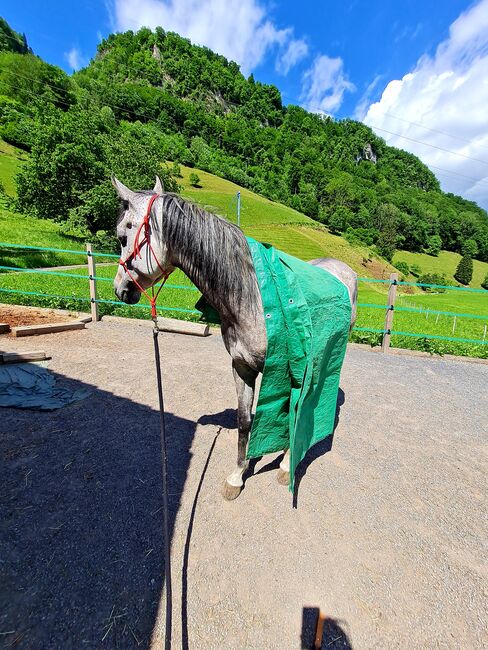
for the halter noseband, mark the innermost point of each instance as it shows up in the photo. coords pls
(136, 252)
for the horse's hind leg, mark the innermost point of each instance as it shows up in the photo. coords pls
(284, 471)
(245, 380)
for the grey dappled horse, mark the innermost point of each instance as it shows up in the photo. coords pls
(215, 255)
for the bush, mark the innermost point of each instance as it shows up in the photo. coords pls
(484, 284)
(415, 270)
(464, 271)
(433, 278)
(194, 180)
(402, 267)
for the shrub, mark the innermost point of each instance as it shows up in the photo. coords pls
(433, 278)
(402, 267)
(415, 270)
(194, 180)
(464, 271)
(484, 284)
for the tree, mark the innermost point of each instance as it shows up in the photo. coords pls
(470, 248)
(340, 219)
(434, 244)
(194, 180)
(464, 271)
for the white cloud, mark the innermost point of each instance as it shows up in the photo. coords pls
(238, 29)
(74, 58)
(296, 51)
(324, 85)
(443, 102)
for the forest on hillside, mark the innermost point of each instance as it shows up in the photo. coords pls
(148, 97)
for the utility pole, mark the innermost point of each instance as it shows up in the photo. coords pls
(239, 209)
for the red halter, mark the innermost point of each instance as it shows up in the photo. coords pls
(136, 252)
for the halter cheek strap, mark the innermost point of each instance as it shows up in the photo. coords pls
(138, 243)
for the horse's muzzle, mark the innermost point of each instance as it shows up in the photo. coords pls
(128, 293)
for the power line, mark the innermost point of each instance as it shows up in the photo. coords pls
(428, 128)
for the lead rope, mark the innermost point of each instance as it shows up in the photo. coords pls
(157, 357)
(164, 459)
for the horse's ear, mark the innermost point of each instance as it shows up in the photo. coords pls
(124, 192)
(159, 187)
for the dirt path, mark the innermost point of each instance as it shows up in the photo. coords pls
(387, 538)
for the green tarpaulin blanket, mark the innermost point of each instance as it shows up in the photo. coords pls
(307, 314)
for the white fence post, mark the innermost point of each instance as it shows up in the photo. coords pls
(92, 283)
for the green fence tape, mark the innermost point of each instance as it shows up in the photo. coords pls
(40, 248)
(110, 302)
(441, 338)
(143, 306)
(424, 284)
(18, 269)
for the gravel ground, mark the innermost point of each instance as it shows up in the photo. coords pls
(387, 538)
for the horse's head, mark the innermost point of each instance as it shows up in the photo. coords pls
(147, 267)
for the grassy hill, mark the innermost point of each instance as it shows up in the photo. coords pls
(278, 224)
(446, 264)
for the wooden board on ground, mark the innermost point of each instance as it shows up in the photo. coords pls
(34, 330)
(19, 357)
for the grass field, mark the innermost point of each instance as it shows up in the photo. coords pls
(10, 161)
(265, 221)
(445, 264)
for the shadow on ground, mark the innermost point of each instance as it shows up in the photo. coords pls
(322, 632)
(81, 536)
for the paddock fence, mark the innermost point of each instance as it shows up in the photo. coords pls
(384, 321)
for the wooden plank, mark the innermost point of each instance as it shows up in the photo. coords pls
(385, 345)
(34, 330)
(17, 357)
(183, 327)
(4, 328)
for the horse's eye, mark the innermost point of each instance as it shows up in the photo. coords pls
(129, 225)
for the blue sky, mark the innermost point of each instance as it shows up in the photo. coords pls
(414, 70)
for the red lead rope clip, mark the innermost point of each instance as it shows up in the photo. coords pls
(137, 253)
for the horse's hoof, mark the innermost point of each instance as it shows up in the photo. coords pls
(283, 477)
(230, 492)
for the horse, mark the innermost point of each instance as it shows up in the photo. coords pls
(215, 255)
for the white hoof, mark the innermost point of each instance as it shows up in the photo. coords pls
(283, 477)
(231, 492)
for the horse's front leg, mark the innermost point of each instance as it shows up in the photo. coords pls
(245, 380)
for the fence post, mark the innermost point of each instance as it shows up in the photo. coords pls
(389, 312)
(92, 283)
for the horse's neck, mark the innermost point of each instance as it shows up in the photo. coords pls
(197, 272)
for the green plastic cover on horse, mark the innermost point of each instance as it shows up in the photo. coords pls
(307, 313)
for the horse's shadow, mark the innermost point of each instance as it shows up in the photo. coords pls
(81, 534)
(228, 419)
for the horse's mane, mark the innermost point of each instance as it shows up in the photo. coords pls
(213, 251)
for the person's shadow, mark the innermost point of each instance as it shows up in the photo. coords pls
(322, 632)
(81, 521)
